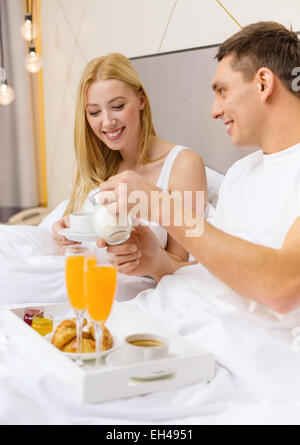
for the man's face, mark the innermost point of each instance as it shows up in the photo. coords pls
(237, 104)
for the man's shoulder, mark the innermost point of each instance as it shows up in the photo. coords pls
(245, 163)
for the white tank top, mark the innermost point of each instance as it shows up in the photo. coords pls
(163, 183)
(164, 177)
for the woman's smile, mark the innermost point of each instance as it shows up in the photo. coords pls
(114, 135)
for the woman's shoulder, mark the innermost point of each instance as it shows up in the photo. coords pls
(187, 157)
(159, 147)
(188, 169)
(184, 159)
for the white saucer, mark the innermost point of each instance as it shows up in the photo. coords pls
(116, 359)
(81, 237)
(90, 355)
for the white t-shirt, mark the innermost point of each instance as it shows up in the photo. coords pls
(259, 199)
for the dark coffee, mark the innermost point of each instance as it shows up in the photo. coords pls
(146, 342)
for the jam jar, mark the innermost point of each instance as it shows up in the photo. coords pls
(30, 312)
(42, 324)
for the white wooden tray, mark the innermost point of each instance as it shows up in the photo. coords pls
(188, 362)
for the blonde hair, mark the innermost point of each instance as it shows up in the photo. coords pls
(95, 161)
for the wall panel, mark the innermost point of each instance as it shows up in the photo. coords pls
(74, 31)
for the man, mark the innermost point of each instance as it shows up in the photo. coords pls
(253, 245)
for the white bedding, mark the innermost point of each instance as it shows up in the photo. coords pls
(32, 272)
(257, 379)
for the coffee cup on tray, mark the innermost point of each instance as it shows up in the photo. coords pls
(144, 347)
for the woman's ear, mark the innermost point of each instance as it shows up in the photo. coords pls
(142, 100)
(265, 83)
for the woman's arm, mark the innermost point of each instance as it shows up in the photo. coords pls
(187, 177)
(142, 255)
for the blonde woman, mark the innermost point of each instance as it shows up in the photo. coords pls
(113, 133)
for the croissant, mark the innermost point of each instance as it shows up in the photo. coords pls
(64, 337)
(107, 340)
(88, 345)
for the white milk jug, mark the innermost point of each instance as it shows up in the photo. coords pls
(107, 225)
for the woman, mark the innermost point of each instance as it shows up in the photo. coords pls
(114, 133)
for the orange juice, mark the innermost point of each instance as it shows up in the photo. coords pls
(75, 280)
(91, 261)
(100, 291)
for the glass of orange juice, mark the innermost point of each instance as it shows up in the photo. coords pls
(74, 271)
(100, 288)
(90, 261)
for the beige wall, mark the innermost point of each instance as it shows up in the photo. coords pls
(75, 31)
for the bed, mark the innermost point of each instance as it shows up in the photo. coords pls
(258, 363)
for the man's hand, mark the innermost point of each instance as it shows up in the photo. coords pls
(116, 200)
(140, 255)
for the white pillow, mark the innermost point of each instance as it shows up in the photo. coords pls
(55, 215)
(214, 181)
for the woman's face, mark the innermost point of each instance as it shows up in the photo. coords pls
(113, 112)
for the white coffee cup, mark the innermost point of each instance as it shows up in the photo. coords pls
(81, 222)
(108, 226)
(139, 348)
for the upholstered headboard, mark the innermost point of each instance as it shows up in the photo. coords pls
(179, 88)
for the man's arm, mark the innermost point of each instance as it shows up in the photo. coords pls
(268, 276)
(169, 265)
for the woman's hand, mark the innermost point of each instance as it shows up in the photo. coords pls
(60, 240)
(140, 255)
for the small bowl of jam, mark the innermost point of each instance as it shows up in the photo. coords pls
(31, 312)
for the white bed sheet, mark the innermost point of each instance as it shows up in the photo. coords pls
(257, 374)
(256, 380)
(31, 271)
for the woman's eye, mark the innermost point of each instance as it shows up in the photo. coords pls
(94, 113)
(118, 107)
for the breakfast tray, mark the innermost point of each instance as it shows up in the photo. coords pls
(188, 363)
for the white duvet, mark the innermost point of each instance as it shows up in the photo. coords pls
(31, 271)
(258, 371)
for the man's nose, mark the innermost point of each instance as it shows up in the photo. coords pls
(216, 111)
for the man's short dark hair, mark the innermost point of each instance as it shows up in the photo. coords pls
(264, 44)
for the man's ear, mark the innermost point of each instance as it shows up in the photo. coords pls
(265, 83)
(142, 100)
